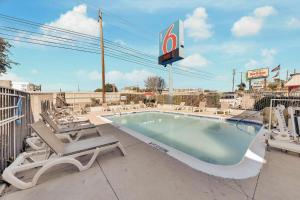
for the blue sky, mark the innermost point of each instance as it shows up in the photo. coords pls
(219, 36)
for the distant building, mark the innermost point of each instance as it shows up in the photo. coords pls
(26, 86)
(5, 83)
(294, 82)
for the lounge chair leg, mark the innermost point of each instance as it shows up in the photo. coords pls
(120, 146)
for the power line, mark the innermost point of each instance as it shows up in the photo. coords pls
(114, 47)
(86, 36)
(96, 48)
(107, 54)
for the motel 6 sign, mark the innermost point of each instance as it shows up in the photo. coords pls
(171, 44)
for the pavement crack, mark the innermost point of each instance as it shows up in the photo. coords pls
(256, 186)
(110, 185)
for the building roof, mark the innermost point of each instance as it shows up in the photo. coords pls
(294, 81)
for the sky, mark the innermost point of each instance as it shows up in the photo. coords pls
(218, 37)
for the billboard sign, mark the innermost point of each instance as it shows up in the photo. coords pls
(171, 43)
(258, 73)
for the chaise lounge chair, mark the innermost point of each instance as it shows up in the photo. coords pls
(283, 133)
(123, 106)
(62, 154)
(70, 127)
(201, 107)
(225, 108)
(105, 107)
(181, 106)
(74, 130)
(65, 119)
(142, 105)
(132, 105)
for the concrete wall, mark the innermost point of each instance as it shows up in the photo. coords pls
(77, 98)
(85, 97)
(36, 100)
(5, 83)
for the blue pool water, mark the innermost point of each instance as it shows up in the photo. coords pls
(211, 140)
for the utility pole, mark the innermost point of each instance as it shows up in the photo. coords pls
(287, 75)
(241, 77)
(102, 56)
(233, 75)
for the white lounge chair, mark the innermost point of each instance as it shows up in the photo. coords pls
(75, 130)
(283, 139)
(295, 121)
(132, 105)
(142, 105)
(225, 108)
(123, 106)
(71, 133)
(201, 107)
(181, 106)
(284, 133)
(106, 107)
(62, 154)
(284, 145)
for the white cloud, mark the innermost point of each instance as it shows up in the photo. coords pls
(77, 20)
(223, 78)
(267, 59)
(34, 72)
(120, 78)
(194, 61)
(235, 48)
(251, 25)
(120, 42)
(294, 23)
(197, 26)
(74, 20)
(133, 77)
(90, 75)
(11, 76)
(252, 64)
(170, 5)
(264, 11)
(268, 56)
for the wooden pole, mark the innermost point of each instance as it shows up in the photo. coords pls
(102, 56)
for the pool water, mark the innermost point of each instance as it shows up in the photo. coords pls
(211, 140)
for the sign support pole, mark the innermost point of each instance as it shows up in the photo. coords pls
(102, 56)
(170, 84)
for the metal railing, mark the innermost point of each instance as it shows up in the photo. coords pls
(15, 117)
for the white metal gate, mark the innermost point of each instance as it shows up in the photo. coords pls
(15, 117)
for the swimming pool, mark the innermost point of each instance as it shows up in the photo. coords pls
(215, 141)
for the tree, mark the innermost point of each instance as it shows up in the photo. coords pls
(155, 83)
(272, 86)
(108, 88)
(5, 62)
(242, 86)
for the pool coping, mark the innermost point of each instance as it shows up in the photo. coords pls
(249, 166)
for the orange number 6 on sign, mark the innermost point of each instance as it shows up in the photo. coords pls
(169, 36)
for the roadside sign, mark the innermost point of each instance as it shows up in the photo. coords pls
(258, 73)
(171, 43)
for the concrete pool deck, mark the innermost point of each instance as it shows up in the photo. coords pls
(147, 173)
